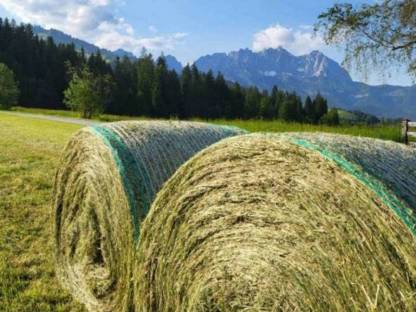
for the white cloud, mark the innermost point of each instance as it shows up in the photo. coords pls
(306, 27)
(299, 41)
(111, 38)
(153, 29)
(91, 20)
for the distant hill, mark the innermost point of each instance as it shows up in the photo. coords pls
(309, 74)
(173, 63)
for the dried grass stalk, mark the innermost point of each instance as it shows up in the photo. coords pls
(264, 223)
(107, 180)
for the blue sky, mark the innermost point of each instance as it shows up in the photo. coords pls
(188, 29)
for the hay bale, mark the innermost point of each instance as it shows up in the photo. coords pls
(268, 223)
(391, 163)
(388, 168)
(107, 180)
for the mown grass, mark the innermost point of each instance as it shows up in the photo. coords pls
(29, 154)
(382, 131)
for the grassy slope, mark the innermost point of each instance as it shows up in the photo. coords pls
(382, 131)
(29, 154)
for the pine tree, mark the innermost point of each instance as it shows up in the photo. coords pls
(173, 94)
(266, 106)
(252, 103)
(125, 96)
(197, 93)
(222, 97)
(275, 102)
(284, 110)
(289, 108)
(320, 107)
(145, 80)
(236, 107)
(309, 110)
(160, 105)
(186, 83)
(300, 113)
(98, 65)
(208, 100)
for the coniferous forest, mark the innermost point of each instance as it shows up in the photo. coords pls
(144, 86)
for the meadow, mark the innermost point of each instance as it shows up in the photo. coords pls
(29, 154)
(385, 131)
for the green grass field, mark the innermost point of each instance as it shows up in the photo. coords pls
(29, 155)
(383, 131)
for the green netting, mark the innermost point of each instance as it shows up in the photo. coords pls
(108, 178)
(127, 165)
(402, 211)
(133, 173)
(266, 222)
(136, 182)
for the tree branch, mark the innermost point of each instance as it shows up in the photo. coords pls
(404, 46)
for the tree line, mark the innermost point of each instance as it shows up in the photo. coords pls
(57, 76)
(38, 65)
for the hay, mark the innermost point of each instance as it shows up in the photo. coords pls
(282, 223)
(386, 167)
(107, 180)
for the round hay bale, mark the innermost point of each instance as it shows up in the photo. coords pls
(107, 180)
(280, 223)
(391, 164)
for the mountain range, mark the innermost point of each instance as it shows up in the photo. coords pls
(306, 75)
(309, 74)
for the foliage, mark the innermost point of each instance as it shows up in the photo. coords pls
(375, 35)
(331, 118)
(309, 110)
(320, 108)
(9, 92)
(88, 92)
